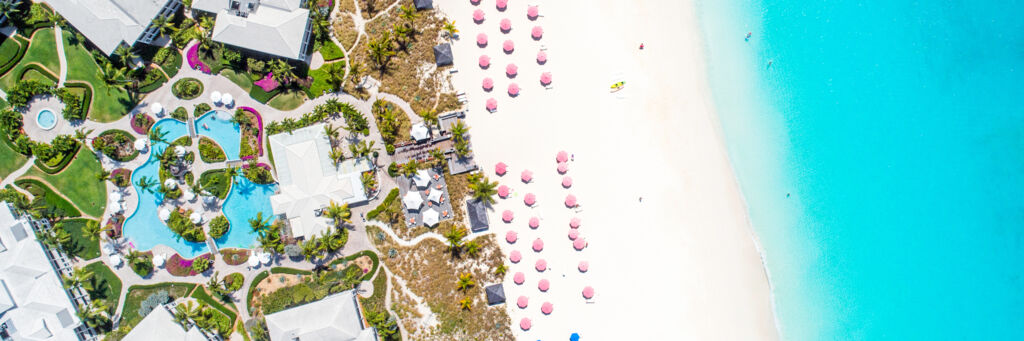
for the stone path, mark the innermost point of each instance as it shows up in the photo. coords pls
(60, 53)
(9, 180)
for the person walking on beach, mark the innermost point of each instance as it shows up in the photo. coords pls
(641, 46)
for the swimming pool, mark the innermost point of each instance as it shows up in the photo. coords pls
(217, 125)
(46, 119)
(244, 201)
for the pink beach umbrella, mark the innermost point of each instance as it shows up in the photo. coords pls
(538, 245)
(542, 57)
(511, 70)
(492, 104)
(570, 200)
(562, 156)
(501, 167)
(511, 237)
(588, 292)
(573, 233)
(545, 78)
(537, 32)
(532, 12)
(481, 39)
(488, 84)
(478, 16)
(515, 256)
(544, 285)
(525, 323)
(507, 216)
(485, 61)
(563, 167)
(503, 191)
(508, 46)
(523, 301)
(526, 176)
(474, 2)
(513, 89)
(573, 223)
(501, 4)
(566, 181)
(579, 244)
(584, 266)
(541, 265)
(530, 199)
(546, 308)
(519, 278)
(534, 222)
(506, 25)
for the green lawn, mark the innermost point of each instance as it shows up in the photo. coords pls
(240, 78)
(53, 201)
(8, 49)
(108, 103)
(78, 183)
(106, 285)
(287, 101)
(320, 81)
(84, 247)
(10, 160)
(138, 293)
(201, 295)
(42, 50)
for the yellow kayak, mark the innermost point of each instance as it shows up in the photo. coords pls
(618, 86)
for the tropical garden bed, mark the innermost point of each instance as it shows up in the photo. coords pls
(187, 88)
(210, 151)
(181, 267)
(116, 144)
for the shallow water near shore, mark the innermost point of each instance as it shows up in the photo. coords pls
(881, 156)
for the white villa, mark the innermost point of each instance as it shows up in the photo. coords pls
(33, 303)
(309, 180)
(160, 325)
(109, 23)
(275, 27)
(336, 317)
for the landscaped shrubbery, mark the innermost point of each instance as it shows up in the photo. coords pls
(75, 107)
(24, 90)
(200, 109)
(140, 262)
(169, 60)
(116, 144)
(182, 267)
(248, 123)
(219, 227)
(181, 225)
(216, 182)
(187, 88)
(354, 120)
(331, 51)
(121, 177)
(209, 151)
(180, 114)
(152, 79)
(384, 205)
(310, 290)
(141, 123)
(47, 199)
(235, 256)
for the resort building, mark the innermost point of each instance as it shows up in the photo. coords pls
(477, 212)
(336, 317)
(309, 180)
(160, 325)
(279, 28)
(33, 303)
(109, 23)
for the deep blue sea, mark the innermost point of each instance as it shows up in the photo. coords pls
(882, 159)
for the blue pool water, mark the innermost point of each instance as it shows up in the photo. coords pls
(220, 128)
(244, 201)
(897, 128)
(46, 119)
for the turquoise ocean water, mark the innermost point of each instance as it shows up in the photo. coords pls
(896, 128)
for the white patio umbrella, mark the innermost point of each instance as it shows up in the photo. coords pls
(140, 144)
(115, 260)
(412, 200)
(420, 132)
(265, 258)
(421, 178)
(107, 248)
(170, 183)
(114, 196)
(215, 97)
(159, 260)
(431, 217)
(188, 195)
(180, 151)
(164, 214)
(254, 262)
(156, 108)
(195, 217)
(435, 196)
(227, 99)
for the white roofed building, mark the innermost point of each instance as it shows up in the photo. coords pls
(160, 325)
(279, 28)
(109, 23)
(33, 303)
(309, 180)
(336, 317)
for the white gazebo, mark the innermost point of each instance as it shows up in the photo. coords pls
(412, 200)
(421, 178)
(215, 97)
(431, 217)
(420, 132)
(156, 108)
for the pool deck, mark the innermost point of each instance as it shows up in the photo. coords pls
(37, 133)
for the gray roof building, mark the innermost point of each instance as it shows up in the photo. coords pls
(109, 23)
(275, 27)
(423, 4)
(495, 294)
(443, 54)
(336, 317)
(477, 212)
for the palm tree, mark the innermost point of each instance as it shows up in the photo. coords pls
(92, 313)
(125, 55)
(466, 303)
(339, 213)
(147, 184)
(334, 241)
(465, 281)
(454, 239)
(82, 133)
(206, 22)
(501, 270)
(232, 173)
(472, 248)
(429, 116)
(164, 25)
(92, 229)
(113, 76)
(439, 159)
(102, 175)
(408, 13)
(258, 223)
(157, 135)
(410, 168)
(289, 124)
(380, 51)
(332, 132)
(369, 181)
(335, 75)
(9, 8)
(354, 71)
(367, 148)
(185, 312)
(80, 277)
(57, 20)
(484, 189)
(311, 248)
(271, 241)
(283, 72)
(449, 29)
(403, 34)
(337, 155)
(459, 131)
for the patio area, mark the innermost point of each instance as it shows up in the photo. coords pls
(425, 198)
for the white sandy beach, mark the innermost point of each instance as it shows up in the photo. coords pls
(682, 263)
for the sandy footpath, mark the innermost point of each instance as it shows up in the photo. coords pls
(680, 264)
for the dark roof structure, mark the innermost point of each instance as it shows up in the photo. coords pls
(477, 211)
(495, 294)
(443, 54)
(423, 4)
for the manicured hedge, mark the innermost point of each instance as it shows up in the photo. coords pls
(50, 197)
(252, 288)
(290, 271)
(86, 96)
(202, 296)
(20, 53)
(60, 165)
(383, 205)
(153, 85)
(40, 69)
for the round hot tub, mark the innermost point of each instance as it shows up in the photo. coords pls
(46, 119)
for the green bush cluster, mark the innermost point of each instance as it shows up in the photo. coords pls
(116, 144)
(187, 88)
(24, 90)
(179, 223)
(209, 151)
(141, 264)
(56, 155)
(354, 120)
(151, 81)
(258, 174)
(74, 108)
(311, 290)
(383, 205)
(200, 109)
(234, 281)
(216, 182)
(219, 227)
(201, 264)
(180, 114)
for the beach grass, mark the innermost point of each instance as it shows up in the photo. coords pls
(109, 103)
(78, 182)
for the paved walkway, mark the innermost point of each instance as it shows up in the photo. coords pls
(9, 180)
(60, 53)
